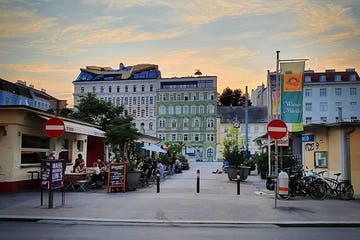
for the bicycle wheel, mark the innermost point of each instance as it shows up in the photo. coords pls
(283, 197)
(318, 190)
(345, 191)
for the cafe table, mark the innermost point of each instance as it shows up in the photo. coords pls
(75, 181)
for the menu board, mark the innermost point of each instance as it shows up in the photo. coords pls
(52, 175)
(116, 177)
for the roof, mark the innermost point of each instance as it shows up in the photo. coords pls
(14, 88)
(331, 76)
(229, 114)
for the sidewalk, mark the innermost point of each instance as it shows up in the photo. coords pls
(178, 202)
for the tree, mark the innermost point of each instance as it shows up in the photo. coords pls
(121, 133)
(96, 111)
(231, 97)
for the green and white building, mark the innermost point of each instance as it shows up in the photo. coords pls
(186, 112)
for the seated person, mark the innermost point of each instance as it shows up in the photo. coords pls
(81, 167)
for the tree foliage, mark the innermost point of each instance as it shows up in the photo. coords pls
(231, 97)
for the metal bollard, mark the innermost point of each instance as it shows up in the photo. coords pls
(158, 181)
(198, 181)
(238, 182)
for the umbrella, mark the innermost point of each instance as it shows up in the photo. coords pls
(154, 148)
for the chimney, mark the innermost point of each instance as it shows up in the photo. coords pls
(43, 90)
(21, 82)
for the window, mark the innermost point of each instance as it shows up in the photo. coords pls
(307, 79)
(173, 137)
(151, 88)
(134, 112)
(210, 137)
(338, 105)
(126, 101)
(143, 88)
(193, 109)
(151, 126)
(102, 89)
(338, 92)
(82, 89)
(352, 77)
(211, 109)
(322, 92)
(337, 78)
(118, 89)
(210, 123)
(322, 78)
(142, 113)
(34, 149)
(109, 89)
(173, 123)
(171, 110)
(352, 91)
(197, 137)
(308, 92)
(323, 106)
(186, 123)
(185, 137)
(80, 145)
(323, 119)
(117, 101)
(186, 109)
(353, 106)
(161, 123)
(142, 100)
(162, 110)
(308, 119)
(320, 159)
(126, 88)
(151, 100)
(178, 97)
(94, 89)
(196, 123)
(201, 109)
(134, 100)
(178, 109)
(134, 88)
(308, 107)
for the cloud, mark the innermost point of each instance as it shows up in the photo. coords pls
(339, 60)
(22, 23)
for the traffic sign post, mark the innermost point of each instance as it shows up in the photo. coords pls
(277, 129)
(54, 127)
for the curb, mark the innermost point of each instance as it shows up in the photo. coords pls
(183, 223)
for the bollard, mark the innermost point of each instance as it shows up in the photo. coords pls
(238, 182)
(198, 181)
(158, 181)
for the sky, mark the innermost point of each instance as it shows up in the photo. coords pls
(46, 42)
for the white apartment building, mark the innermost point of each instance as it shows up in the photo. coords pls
(134, 87)
(331, 96)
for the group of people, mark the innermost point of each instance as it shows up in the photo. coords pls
(97, 171)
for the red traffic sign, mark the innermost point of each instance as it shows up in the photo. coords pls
(277, 129)
(54, 127)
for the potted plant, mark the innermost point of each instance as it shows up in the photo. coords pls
(132, 176)
(236, 158)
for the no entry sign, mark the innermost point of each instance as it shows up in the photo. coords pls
(277, 129)
(54, 127)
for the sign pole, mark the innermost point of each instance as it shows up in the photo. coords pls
(278, 90)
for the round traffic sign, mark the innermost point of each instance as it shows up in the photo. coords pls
(54, 127)
(277, 129)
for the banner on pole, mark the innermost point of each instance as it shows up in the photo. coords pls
(292, 94)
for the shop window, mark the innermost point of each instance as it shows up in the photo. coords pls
(34, 149)
(80, 145)
(320, 159)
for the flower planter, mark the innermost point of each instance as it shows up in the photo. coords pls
(132, 180)
(233, 171)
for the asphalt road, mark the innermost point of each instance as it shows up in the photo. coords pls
(97, 230)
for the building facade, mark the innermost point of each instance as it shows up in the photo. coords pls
(133, 87)
(186, 112)
(19, 94)
(331, 97)
(234, 118)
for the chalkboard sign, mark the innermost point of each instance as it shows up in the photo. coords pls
(52, 175)
(116, 176)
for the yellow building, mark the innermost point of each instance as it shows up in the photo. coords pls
(334, 148)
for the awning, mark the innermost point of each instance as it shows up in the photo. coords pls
(72, 127)
(154, 148)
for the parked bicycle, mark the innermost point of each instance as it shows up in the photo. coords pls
(301, 184)
(338, 188)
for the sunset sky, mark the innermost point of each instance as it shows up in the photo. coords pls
(45, 42)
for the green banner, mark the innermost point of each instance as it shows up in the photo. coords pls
(292, 94)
